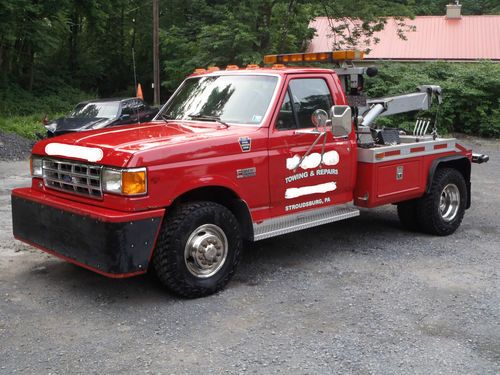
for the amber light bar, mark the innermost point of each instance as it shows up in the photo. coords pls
(343, 55)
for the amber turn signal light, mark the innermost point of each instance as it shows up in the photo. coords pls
(134, 183)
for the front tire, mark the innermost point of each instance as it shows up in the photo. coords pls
(198, 249)
(441, 211)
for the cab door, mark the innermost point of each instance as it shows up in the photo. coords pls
(308, 170)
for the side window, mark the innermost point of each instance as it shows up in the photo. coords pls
(127, 108)
(308, 96)
(304, 96)
(138, 105)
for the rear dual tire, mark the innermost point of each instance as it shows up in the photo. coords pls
(439, 212)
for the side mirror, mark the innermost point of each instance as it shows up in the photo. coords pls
(341, 117)
(319, 118)
(125, 116)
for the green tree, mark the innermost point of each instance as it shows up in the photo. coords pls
(470, 91)
(438, 7)
(47, 45)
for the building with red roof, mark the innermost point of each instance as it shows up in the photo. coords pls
(452, 38)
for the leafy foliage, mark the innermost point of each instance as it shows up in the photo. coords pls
(425, 7)
(22, 112)
(471, 102)
(354, 26)
(48, 46)
(16, 101)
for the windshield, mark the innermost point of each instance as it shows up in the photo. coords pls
(228, 98)
(93, 110)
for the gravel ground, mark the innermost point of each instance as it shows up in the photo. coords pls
(359, 296)
(14, 147)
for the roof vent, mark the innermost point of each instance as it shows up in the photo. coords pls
(454, 11)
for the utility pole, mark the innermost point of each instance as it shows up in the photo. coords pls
(156, 52)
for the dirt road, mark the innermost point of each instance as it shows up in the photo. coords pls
(360, 296)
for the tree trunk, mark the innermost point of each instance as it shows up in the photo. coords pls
(31, 68)
(73, 41)
(1, 54)
(122, 34)
(284, 30)
(265, 37)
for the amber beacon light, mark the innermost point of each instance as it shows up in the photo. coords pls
(335, 56)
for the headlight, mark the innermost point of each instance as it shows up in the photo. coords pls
(125, 181)
(51, 127)
(36, 166)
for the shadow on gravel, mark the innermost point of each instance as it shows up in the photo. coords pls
(87, 285)
(260, 260)
(351, 235)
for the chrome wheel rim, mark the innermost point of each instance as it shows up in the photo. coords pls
(449, 202)
(206, 251)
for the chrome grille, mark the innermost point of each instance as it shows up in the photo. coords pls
(71, 177)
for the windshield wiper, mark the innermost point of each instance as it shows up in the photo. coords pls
(208, 118)
(166, 118)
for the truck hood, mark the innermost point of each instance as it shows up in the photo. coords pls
(120, 144)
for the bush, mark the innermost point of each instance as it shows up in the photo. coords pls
(14, 101)
(22, 112)
(26, 126)
(470, 92)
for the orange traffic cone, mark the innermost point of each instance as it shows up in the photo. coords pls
(139, 92)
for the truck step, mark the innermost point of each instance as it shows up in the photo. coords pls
(302, 220)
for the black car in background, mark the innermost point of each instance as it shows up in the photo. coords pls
(101, 113)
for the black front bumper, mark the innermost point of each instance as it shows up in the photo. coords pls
(115, 249)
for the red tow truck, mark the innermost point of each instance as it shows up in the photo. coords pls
(234, 155)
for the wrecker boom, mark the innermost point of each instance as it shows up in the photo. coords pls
(352, 79)
(392, 105)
